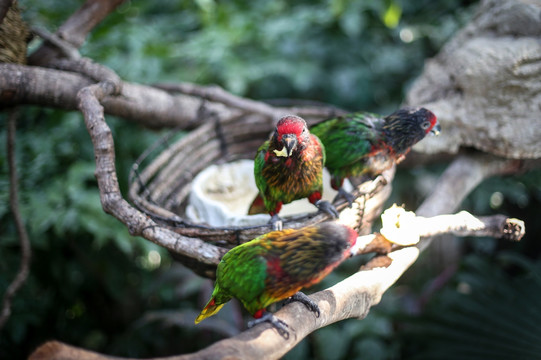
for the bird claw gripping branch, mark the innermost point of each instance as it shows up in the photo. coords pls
(302, 298)
(327, 207)
(278, 324)
(275, 266)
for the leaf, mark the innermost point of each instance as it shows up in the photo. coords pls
(392, 14)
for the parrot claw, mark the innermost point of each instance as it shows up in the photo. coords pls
(327, 207)
(278, 324)
(276, 222)
(350, 198)
(309, 303)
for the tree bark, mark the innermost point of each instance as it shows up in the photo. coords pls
(75, 29)
(486, 75)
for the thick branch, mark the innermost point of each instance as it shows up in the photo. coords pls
(146, 105)
(465, 224)
(26, 251)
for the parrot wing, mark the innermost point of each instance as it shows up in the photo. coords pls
(348, 138)
(243, 272)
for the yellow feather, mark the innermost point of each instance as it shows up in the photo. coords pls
(208, 311)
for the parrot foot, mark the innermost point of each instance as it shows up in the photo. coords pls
(278, 324)
(276, 222)
(349, 197)
(327, 207)
(303, 298)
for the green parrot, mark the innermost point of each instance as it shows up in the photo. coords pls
(363, 143)
(287, 167)
(276, 265)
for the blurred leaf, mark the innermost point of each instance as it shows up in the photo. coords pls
(391, 17)
(498, 318)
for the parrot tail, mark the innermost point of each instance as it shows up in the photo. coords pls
(258, 206)
(210, 309)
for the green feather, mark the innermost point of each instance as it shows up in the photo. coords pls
(348, 139)
(242, 272)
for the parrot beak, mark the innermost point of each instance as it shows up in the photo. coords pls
(290, 143)
(436, 130)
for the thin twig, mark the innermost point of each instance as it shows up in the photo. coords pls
(217, 94)
(26, 251)
(67, 49)
(75, 29)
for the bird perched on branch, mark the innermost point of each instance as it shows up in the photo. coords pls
(275, 266)
(363, 143)
(287, 167)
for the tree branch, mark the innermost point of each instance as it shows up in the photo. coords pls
(145, 105)
(461, 177)
(75, 29)
(26, 251)
(111, 198)
(218, 94)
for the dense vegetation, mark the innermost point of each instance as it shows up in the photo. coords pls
(94, 286)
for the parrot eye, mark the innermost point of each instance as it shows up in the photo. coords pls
(425, 125)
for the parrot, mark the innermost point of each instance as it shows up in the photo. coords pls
(275, 266)
(364, 143)
(287, 167)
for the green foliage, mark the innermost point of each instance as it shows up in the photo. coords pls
(78, 249)
(355, 54)
(490, 311)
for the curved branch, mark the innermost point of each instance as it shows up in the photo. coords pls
(111, 198)
(26, 250)
(461, 177)
(218, 94)
(146, 105)
(75, 29)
